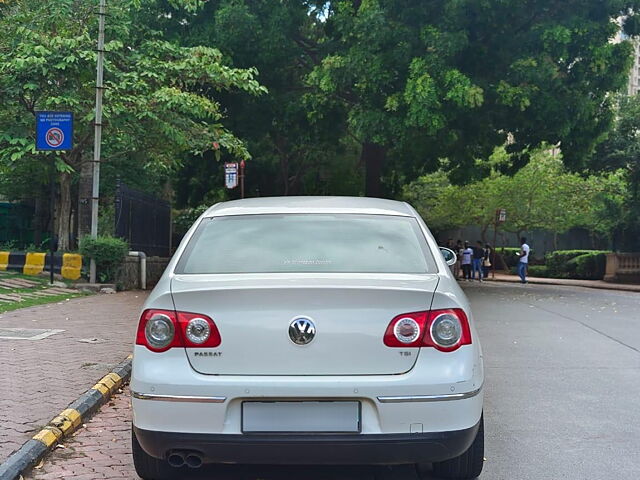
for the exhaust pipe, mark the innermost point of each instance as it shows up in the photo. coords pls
(176, 460)
(193, 460)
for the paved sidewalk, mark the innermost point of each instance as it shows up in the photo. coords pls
(75, 343)
(501, 277)
(100, 449)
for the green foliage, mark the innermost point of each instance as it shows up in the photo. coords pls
(183, 220)
(452, 79)
(8, 246)
(107, 220)
(435, 85)
(510, 255)
(538, 271)
(108, 253)
(580, 264)
(591, 266)
(541, 195)
(293, 153)
(161, 100)
(619, 155)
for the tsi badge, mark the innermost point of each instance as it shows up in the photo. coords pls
(302, 331)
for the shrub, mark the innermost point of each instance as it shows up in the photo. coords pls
(8, 246)
(510, 255)
(591, 266)
(579, 264)
(183, 220)
(108, 253)
(538, 271)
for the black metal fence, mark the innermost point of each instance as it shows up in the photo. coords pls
(16, 224)
(143, 220)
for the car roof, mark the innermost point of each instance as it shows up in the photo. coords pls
(267, 205)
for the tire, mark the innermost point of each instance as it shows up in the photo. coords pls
(468, 465)
(148, 467)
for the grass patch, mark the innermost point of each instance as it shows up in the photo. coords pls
(32, 302)
(41, 285)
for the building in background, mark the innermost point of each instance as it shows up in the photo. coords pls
(633, 85)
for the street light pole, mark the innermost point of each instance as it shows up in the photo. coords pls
(95, 196)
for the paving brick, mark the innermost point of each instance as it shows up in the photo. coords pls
(104, 447)
(39, 378)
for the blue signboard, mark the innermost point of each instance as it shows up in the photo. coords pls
(54, 131)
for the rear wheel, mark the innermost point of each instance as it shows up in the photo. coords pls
(148, 467)
(466, 466)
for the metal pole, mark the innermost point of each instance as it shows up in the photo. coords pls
(495, 239)
(95, 197)
(52, 186)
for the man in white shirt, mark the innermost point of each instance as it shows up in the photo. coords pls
(524, 260)
(467, 253)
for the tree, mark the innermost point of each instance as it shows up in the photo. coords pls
(541, 195)
(418, 82)
(159, 98)
(621, 151)
(292, 154)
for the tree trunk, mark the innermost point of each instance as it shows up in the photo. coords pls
(38, 219)
(483, 233)
(64, 212)
(372, 157)
(85, 190)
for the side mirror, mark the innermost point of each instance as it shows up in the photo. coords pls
(449, 256)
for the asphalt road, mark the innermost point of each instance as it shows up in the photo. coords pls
(561, 396)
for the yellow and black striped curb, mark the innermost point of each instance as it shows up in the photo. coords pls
(69, 265)
(65, 423)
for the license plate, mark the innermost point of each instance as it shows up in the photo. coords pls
(301, 417)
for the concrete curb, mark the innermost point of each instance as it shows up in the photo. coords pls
(67, 422)
(597, 284)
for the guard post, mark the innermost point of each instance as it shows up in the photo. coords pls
(501, 217)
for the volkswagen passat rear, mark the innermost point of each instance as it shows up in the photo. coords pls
(307, 331)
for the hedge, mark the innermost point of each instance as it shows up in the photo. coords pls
(538, 271)
(578, 264)
(510, 255)
(108, 253)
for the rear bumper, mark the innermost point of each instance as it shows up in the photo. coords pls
(442, 393)
(386, 449)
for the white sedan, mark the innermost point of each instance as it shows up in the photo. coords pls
(308, 330)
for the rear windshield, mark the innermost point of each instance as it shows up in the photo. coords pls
(307, 243)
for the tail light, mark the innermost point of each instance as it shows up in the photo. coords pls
(160, 330)
(446, 330)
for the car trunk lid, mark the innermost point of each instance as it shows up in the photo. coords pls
(351, 312)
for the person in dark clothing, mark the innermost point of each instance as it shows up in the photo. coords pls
(486, 263)
(478, 258)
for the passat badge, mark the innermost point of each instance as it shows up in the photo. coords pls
(302, 331)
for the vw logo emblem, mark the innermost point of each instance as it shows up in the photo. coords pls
(302, 331)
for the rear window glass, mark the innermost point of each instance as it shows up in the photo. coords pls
(307, 243)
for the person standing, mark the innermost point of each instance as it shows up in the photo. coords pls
(486, 262)
(524, 260)
(467, 254)
(478, 258)
(458, 249)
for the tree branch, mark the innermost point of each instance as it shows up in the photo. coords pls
(30, 106)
